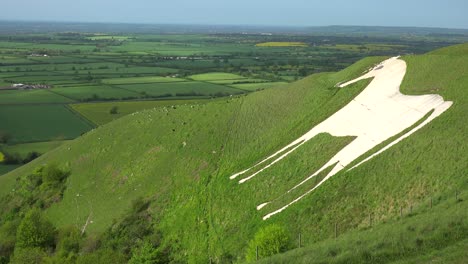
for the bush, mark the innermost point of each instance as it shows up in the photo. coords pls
(34, 232)
(270, 240)
(51, 174)
(68, 243)
(105, 256)
(31, 256)
(114, 110)
(146, 254)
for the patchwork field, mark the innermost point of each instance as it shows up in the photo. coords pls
(95, 93)
(10, 97)
(281, 44)
(99, 113)
(181, 89)
(32, 123)
(126, 176)
(134, 80)
(24, 149)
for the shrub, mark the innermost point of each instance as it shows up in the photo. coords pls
(35, 232)
(105, 256)
(30, 255)
(52, 174)
(114, 110)
(146, 254)
(270, 240)
(68, 244)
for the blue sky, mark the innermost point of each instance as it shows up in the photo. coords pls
(423, 13)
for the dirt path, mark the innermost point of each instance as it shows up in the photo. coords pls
(378, 113)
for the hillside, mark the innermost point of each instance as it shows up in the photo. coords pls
(180, 158)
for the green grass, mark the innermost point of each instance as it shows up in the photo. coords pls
(99, 113)
(188, 89)
(436, 235)
(31, 97)
(182, 158)
(256, 86)
(150, 79)
(7, 168)
(282, 44)
(242, 125)
(213, 76)
(237, 81)
(81, 93)
(39, 147)
(30, 123)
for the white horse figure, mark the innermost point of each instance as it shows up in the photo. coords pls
(379, 112)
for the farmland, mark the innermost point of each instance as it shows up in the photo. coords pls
(281, 44)
(405, 204)
(122, 138)
(99, 113)
(85, 74)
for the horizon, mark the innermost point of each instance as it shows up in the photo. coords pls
(221, 25)
(295, 13)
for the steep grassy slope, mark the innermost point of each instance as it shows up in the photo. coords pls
(435, 235)
(181, 158)
(431, 163)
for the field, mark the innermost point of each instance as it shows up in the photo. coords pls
(34, 123)
(213, 76)
(281, 44)
(181, 89)
(158, 171)
(11, 97)
(133, 80)
(256, 86)
(24, 149)
(99, 113)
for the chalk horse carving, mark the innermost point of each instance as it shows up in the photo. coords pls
(378, 113)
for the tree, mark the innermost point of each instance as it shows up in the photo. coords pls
(52, 174)
(114, 110)
(30, 255)
(35, 232)
(146, 254)
(270, 240)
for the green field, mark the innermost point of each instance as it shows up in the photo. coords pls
(40, 147)
(256, 86)
(31, 123)
(132, 80)
(213, 76)
(7, 168)
(8, 97)
(282, 44)
(157, 172)
(96, 93)
(99, 113)
(181, 89)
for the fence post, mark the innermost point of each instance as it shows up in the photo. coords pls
(256, 253)
(300, 238)
(411, 209)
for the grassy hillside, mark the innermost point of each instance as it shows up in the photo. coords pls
(180, 158)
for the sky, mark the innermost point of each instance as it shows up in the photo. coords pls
(419, 13)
